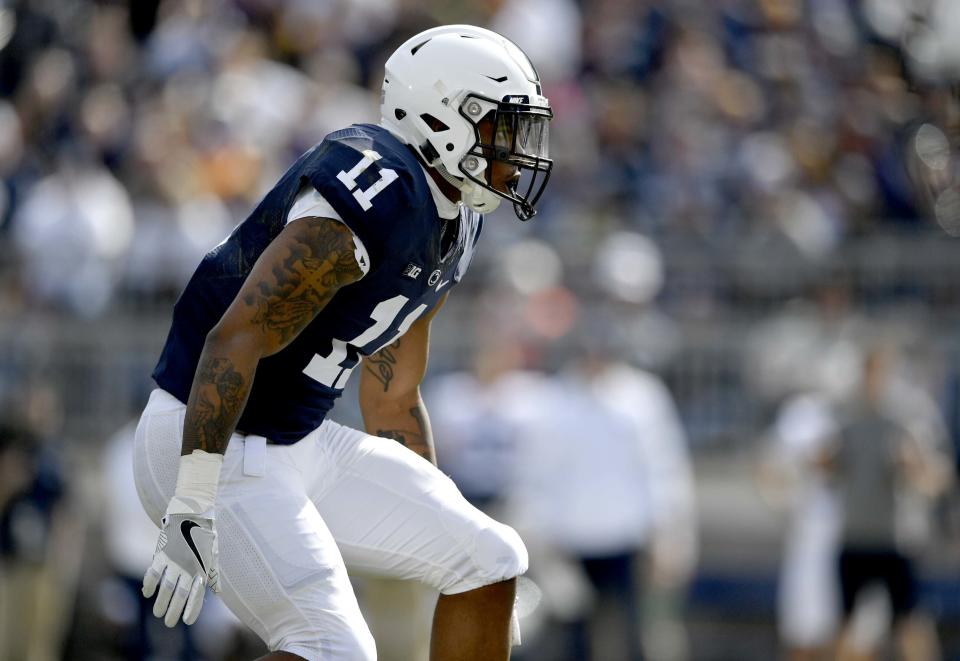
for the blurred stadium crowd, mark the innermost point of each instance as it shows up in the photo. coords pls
(750, 197)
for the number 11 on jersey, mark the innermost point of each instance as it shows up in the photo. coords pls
(349, 179)
(329, 370)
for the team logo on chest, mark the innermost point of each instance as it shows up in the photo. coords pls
(412, 271)
(434, 277)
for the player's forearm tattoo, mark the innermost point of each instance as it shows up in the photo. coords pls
(381, 364)
(398, 435)
(216, 401)
(420, 440)
(321, 260)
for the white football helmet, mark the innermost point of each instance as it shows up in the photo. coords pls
(439, 86)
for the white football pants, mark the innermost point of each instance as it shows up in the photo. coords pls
(291, 518)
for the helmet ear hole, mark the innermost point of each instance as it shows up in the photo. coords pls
(399, 114)
(435, 124)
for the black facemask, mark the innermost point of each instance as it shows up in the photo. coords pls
(520, 139)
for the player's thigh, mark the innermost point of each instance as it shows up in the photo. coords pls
(395, 514)
(280, 570)
(282, 573)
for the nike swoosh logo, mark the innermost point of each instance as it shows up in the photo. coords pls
(441, 284)
(186, 529)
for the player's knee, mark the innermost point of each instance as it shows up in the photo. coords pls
(502, 553)
(499, 554)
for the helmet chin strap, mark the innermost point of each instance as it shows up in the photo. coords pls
(473, 195)
(456, 182)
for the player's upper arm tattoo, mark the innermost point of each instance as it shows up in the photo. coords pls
(315, 259)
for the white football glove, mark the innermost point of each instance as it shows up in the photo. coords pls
(184, 563)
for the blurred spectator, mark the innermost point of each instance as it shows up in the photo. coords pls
(880, 455)
(475, 415)
(71, 230)
(603, 493)
(808, 602)
(547, 30)
(753, 122)
(39, 549)
(810, 345)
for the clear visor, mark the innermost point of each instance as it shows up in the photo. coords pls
(523, 134)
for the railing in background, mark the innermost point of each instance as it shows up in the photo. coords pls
(101, 367)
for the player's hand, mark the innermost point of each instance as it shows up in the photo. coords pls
(184, 564)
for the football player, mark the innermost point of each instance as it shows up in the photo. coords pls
(348, 257)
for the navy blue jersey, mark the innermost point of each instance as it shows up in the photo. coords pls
(377, 186)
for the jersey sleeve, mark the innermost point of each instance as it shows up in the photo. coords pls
(371, 188)
(311, 203)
